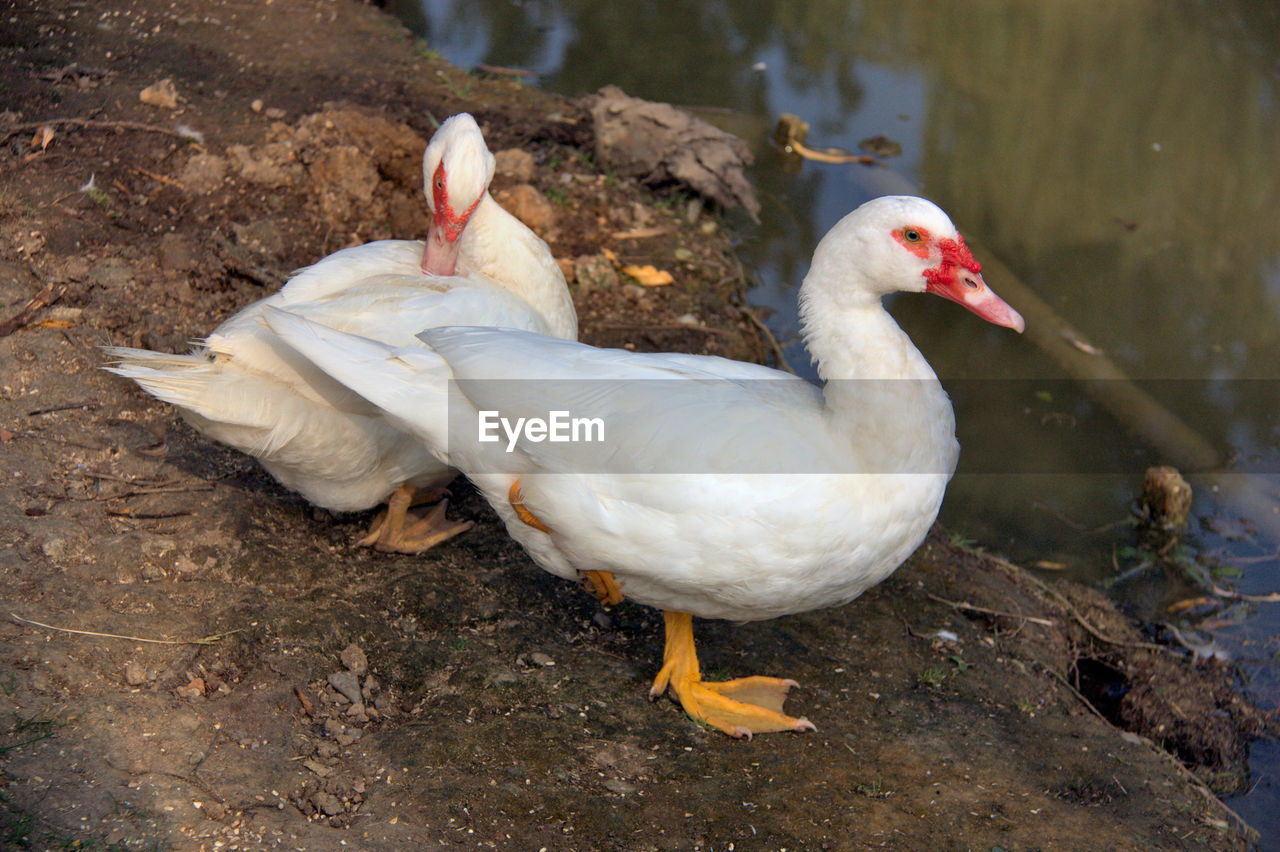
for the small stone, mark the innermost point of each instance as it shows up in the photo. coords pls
(334, 728)
(275, 113)
(353, 657)
(347, 684)
(327, 803)
(594, 270)
(318, 768)
(54, 548)
(160, 94)
(1165, 498)
(541, 659)
(515, 164)
(501, 677)
(135, 674)
(194, 689)
(256, 106)
(617, 785)
(203, 173)
(530, 206)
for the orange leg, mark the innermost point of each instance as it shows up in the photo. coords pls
(516, 499)
(399, 531)
(740, 708)
(603, 586)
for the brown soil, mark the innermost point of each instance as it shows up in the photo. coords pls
(347, 699)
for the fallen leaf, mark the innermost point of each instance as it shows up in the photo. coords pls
(305, 701)
(613, 258)
(642, 233)
(43, 137)
(649, 276)
(1048, 565)
(1188, 603)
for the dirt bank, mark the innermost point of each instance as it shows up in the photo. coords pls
(310, 694)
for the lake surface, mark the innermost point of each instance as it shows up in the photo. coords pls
(1120, 162)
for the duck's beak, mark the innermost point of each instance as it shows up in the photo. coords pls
(440, 257)
(967, 288)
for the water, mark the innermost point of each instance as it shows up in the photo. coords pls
(1121, 160)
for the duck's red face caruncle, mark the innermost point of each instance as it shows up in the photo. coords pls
(441, 254)
(957, 275)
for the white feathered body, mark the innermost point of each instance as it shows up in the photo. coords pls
(756, 531)
(243, 387)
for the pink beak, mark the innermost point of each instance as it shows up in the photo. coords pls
(968, 289)
(440, 257)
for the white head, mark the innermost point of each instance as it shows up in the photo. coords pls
(456, 170)
(900, 243)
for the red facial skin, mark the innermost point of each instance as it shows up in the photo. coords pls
(958, 276)
(440, 257)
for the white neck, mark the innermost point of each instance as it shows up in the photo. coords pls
(500, 246)
(880, 392)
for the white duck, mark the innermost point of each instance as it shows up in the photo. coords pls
(245, 388)
(728, 490)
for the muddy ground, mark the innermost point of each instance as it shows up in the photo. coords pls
(300, 692)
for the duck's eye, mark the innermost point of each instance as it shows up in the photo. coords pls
(911, 235)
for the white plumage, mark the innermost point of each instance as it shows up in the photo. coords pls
(730, 490)
(243, 387)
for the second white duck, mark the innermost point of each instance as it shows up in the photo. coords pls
(245, 388)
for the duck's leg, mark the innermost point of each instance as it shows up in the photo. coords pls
(399, 531)
(603, 586)
(599, 583)
(740, 708)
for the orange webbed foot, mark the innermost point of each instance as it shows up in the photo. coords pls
(397, 530)
(740, 708)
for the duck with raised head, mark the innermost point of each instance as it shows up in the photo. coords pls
(243, 387)
(722, 489)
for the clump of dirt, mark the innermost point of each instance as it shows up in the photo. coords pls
(194, 657)
(1190, 707)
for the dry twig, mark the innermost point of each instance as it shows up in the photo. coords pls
(968, 607)
(90, 124)
(207, 640)
(50, 294)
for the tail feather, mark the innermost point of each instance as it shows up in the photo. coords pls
(240, 409)
(175, 379)
(410, 384)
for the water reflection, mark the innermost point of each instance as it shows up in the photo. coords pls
(1119, 158)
